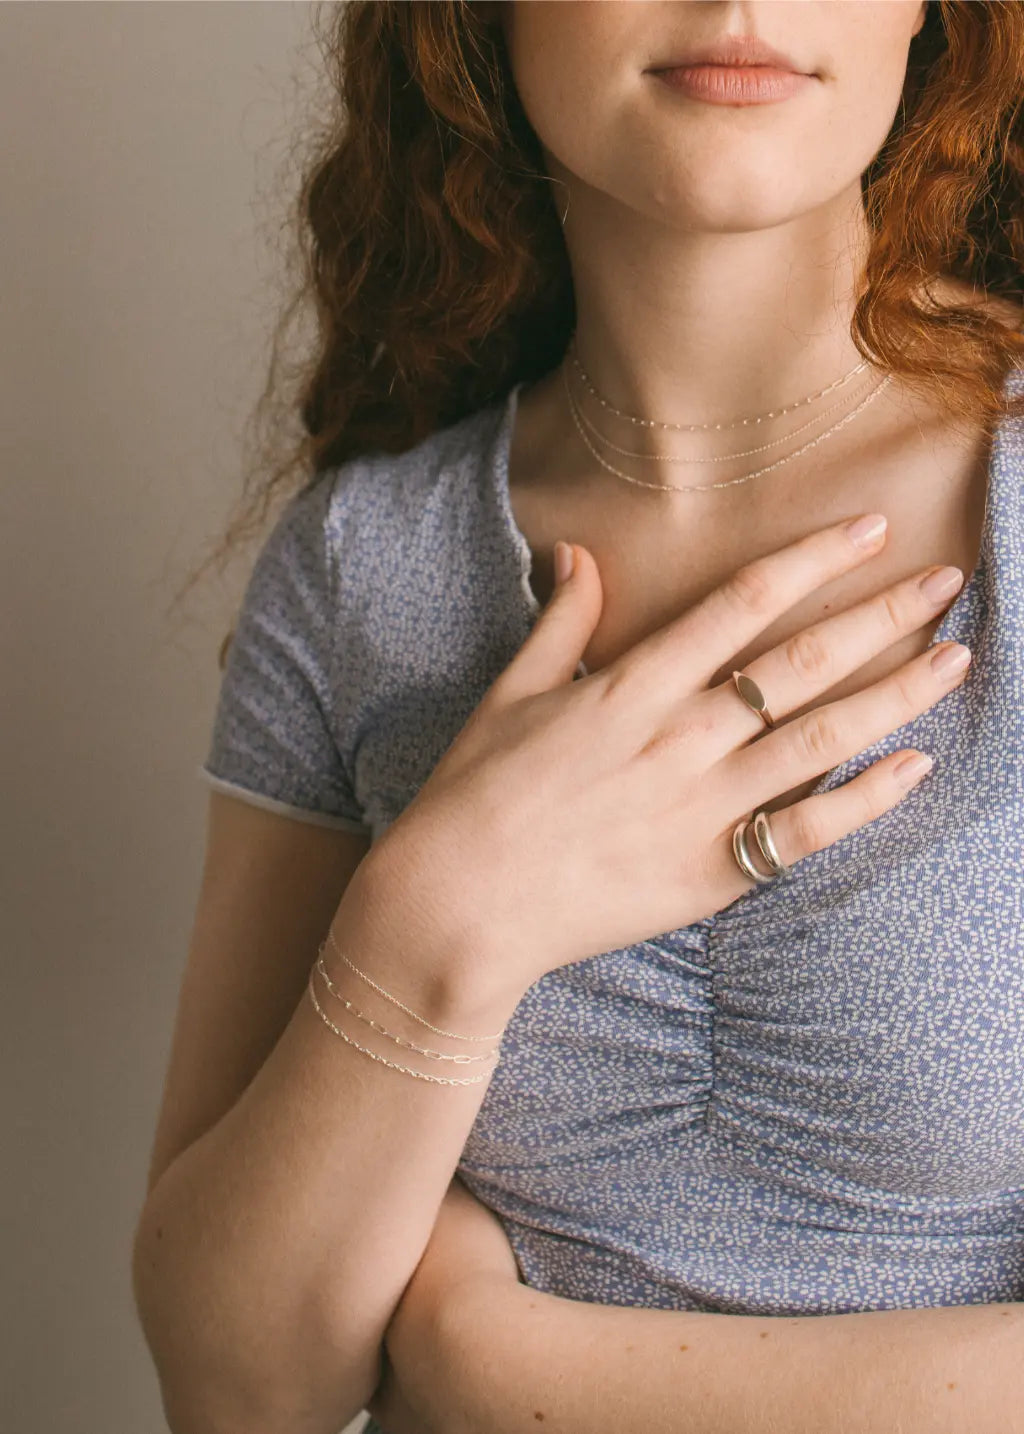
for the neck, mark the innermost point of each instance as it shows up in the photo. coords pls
(701, 327)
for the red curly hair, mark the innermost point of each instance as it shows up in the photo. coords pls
(431, 248)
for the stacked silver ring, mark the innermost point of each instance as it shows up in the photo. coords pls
(755, 700)
(766, 846)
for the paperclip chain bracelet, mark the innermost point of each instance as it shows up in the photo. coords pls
(398, 1040)
(408, 1070)
(394, 1000)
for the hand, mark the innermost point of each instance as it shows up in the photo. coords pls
(569, 817)
(467, 1247)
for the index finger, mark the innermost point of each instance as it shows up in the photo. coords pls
(697, 643)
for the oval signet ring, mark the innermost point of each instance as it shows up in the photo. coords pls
(753, 697)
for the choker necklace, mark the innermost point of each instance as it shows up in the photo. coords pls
(700, 427)
(728, 483)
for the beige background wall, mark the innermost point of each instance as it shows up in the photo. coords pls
(140, 140)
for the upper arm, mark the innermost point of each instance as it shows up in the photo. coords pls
(269, 890)
(285, 829)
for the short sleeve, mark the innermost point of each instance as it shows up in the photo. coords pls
(272, 741)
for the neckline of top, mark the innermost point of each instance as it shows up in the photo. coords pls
(507, 409)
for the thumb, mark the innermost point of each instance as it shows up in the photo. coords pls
(556, 642)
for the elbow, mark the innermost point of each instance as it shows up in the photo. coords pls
(197, 1391)
(210, 1360)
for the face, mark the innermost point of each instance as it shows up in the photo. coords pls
(613, 132)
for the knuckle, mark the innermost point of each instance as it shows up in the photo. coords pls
(892, 613)
(750, 589)
(819, 733)
(906, 684)
(809, 656)
(805, 830)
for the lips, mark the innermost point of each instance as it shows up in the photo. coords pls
(733, 85)
(737, 50)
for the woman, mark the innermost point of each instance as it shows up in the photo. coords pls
(750, 1154)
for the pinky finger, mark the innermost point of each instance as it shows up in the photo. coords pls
(816, 822)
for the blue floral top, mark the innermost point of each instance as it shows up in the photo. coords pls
(812, 1101)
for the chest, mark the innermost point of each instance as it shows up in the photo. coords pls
(658, 558)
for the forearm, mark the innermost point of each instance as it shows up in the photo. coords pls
(516, 1357)
(270, 1254)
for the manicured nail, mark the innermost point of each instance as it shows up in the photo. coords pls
(942, 584)
(867, 532)
(565, 561)
(952, 659)
(912, 769)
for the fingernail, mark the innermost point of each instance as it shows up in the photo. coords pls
(912, 769)
(941, 584)
(951, 659)
(866, 532)
(565, 561)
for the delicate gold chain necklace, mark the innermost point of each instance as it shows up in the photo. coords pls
(731, 482)
(718, 458)
(701, 427)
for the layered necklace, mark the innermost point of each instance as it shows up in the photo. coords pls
(583, 423)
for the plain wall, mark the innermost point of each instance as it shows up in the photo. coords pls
(136, 295)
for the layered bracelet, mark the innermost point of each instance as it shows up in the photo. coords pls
(459, 1059)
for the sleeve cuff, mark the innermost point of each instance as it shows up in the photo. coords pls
(271, 804)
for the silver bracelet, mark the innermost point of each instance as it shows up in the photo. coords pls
(395, 1002)
(420, 1075)
(398, 1040)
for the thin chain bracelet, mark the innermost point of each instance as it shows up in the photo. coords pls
(409, 1045)
(394, 1000)
(420, 1075)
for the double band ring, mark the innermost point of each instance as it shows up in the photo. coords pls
(766, 842)
(766, 846)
